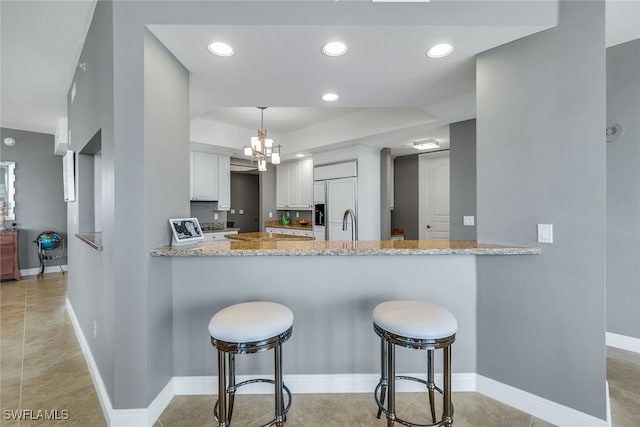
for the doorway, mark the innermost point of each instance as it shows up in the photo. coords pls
(433, 188)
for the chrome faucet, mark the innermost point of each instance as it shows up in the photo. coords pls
(354, 225)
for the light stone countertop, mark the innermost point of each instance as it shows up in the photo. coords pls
(337, 248)
(295, 225)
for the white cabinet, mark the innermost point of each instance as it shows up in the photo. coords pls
(319, 233)
(217, 236)
(224, 183)
(294, 185)
(210, 179)
(318, 192)
(289, 231)
(204, 176)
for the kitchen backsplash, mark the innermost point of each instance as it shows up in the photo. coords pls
(204, 211)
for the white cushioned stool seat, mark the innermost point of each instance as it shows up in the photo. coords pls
(415, 319)
(250, 321)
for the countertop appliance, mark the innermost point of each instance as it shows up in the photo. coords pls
(335, 191)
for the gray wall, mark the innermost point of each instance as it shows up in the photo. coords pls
(245, 195)
(166, 179)
(462, 152)
(623, 191)
(40, 204)
(332, 333)
(385, 203)
(91, 273)
(406, 196)
(267, 195)
(541, 159)
(204, 211)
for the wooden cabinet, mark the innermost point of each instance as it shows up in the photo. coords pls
(210, 179)
(294, 185)
(9, 268)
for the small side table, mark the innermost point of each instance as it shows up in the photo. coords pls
(43, 255)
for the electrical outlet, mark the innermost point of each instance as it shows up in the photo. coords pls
(297, 214)
(468, 220)
(215, 216)
(545, 233)
(270, 214)
(233, 211)
(95, 329)
(241, 211)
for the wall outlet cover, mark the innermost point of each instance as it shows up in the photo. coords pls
(468, 220)
(545, 233)
(233, 211)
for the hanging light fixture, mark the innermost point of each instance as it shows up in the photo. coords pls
(262, 148)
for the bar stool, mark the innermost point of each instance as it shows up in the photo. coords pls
(250, 327)
(418, 325)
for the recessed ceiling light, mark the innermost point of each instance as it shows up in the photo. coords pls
(299, 155)
(9, 142)
(440, 50)
(330, 97)
(334, 49)
(220, 49)
(426, 144)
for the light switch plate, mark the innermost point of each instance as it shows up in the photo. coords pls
(468, 220)
(215, 216)
(545, 233)
(270, 214)
(241, 211)
(233, 211)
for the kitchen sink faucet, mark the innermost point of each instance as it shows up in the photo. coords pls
(354, 227)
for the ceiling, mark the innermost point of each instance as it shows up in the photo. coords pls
(278, 66)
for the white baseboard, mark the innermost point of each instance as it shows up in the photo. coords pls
(623, 342)
(330, 383)
(539, 407)
(335, 383)
(48, 269)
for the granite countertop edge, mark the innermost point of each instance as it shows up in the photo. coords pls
(223, 249)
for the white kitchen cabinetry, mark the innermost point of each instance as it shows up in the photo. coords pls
(204, 176)
(319, 232)
(224, 183)
(294, 185)
(210, 179)
(217, 236)
(289, 231)
(318, 192)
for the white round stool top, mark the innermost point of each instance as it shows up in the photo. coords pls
(250, 321)
(415, 319)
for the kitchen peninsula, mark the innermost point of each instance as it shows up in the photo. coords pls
(331, 287)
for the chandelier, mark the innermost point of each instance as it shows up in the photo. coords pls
(262, 148)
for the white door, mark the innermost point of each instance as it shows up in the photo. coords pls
(341, 195)
(433, 187)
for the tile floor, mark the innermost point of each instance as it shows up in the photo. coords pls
(42, 367)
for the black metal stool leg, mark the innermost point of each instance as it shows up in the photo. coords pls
(391, 381)
(431, 384)
(278, 386)
(232, 385)
(222, 390)
(383, 373)
(447, 412)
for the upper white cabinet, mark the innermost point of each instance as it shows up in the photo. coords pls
(210, 179)
(294, 185)
(224, 183)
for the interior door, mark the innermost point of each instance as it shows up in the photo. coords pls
(433, 187)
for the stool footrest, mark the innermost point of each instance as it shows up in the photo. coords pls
(399, 420)
(254, 381)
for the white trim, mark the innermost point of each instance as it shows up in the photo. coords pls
(623, 342)
(330, 383)
(101, 390)
(47, 269)
(537, 406)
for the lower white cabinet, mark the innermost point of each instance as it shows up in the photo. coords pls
(217, 236)
(319, 232)
(289, 231)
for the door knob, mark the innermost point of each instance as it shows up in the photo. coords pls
(428, 227)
